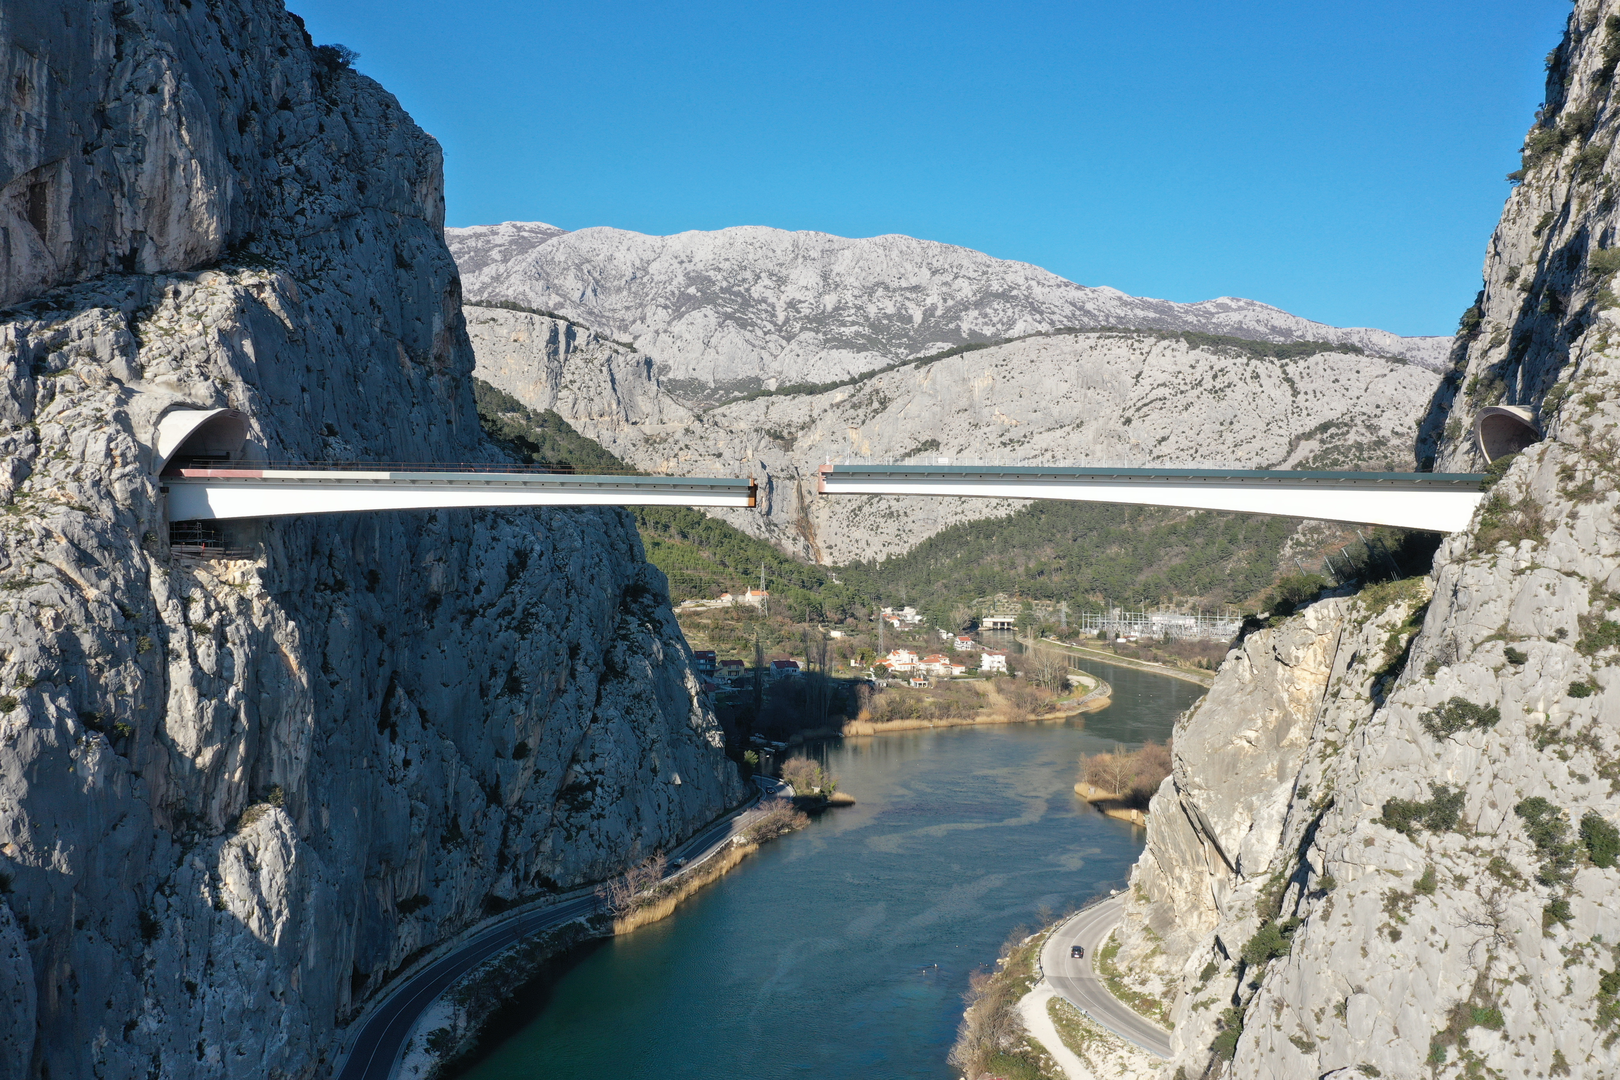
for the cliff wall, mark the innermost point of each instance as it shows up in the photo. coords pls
(237, 794)
(1388, 846)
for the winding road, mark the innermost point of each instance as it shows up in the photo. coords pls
(1076, 982)
(376, 1049)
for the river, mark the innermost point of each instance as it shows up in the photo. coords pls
(842, 951)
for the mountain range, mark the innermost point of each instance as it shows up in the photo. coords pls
(735, 310)
(769, 353)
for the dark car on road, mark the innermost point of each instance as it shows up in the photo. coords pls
(1078, 952)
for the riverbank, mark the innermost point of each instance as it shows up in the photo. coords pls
(1108, 656)
(683, 886)
(1111, 803)
(996, 711)
(1017, 1024)
(993, 1039)
(451, 1013)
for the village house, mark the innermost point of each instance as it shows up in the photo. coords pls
(905, 617)
(963, 642)
(755, 598)
(990, 660)
(900, 660)
(935, 664)
(783, 669)
(703, 660)
(731, 671)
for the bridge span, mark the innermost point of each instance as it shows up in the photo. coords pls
(1433, 502)
(213, 494)
(197, 456)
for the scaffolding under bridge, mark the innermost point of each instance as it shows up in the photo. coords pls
(1178, 625)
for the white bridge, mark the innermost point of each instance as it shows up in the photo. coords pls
(1433, 502)
(195, 455)
(194, 449)
(218, 494)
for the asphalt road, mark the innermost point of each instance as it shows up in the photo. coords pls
(1076, 982)
(376, 1049)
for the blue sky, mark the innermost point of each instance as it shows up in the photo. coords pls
(1341, 161)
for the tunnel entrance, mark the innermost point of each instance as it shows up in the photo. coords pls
(198, 438)
(1505, 429)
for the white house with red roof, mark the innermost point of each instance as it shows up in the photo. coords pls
(900, 660)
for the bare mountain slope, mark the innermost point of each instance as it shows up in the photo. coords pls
(1128, 399)
(748, 307)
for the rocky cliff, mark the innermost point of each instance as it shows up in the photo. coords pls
(750, 307)
(1389, 844)
(1119, 399)
(236, 795)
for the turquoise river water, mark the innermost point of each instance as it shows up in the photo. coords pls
(841, 952)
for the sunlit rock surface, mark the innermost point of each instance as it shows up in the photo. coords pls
(750, 307)
(1420, 793)
(237, 794)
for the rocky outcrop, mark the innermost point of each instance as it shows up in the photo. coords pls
(750, 307)
(1547, 303)
(237, 795)
(1396, 853)
(596, 384)
(1122, 399)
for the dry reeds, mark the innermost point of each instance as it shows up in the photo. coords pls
(991, 1030)
(780, 818)
(1128, 776)
(662, 902)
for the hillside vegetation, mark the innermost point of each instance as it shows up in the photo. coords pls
(1084, 553)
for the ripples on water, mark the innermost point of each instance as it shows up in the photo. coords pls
(842, 951)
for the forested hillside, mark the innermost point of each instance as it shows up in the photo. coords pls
(1085, 553)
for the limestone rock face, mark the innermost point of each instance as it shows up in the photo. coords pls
(596, 384)
(236, 794)
(1547, 301)
(1423, 812)
(1126, 400)
(749, 307)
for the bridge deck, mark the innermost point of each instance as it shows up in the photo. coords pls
(214, 494)
(1436, 502)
